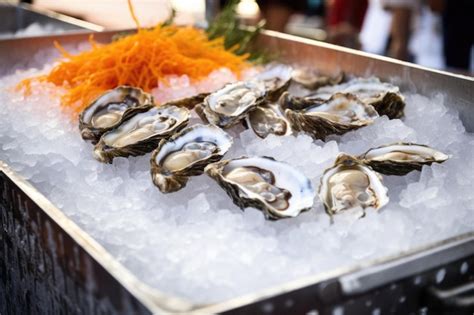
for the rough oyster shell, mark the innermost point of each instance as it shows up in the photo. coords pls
(401, 158)
(268, 119)
(275, 188)
(227, 106)
(311, 79)
(111, 109)
(186, 154)
(384, 97)
(141, 133)
(340, 114)
(298, 103)
(189, 102)
(350, 184)
(277, 79)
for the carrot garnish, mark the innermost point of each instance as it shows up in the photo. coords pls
(142, 60)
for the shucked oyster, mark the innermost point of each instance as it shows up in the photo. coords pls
(311, 79)
(401, 158)
(268, 119)
(141, 133)
(298, 103)
(350, 184)
(340, 114)
(186, 154)
(275, 188)
(384, 97)
(231, 104)
(111, 109)
(277, 78)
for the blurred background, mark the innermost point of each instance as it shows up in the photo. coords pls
(433, 33)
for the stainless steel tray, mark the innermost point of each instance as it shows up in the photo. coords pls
(49, 264)
(16, 17)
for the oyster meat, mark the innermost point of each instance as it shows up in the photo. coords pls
(277, 79)
(275, 188)
(141, 133)
(229, 105)
(350, 184)
(384, 97)
(186, 154)
(111, 109)
(401, 158)
(268, 119)
(311, 79)
(340, 114)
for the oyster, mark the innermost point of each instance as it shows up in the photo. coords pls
(401, 158)
(311, 79)
(268, 119)
(141, 133)
(384, 97)
(298, 103)
(340, 114)
(111, 109)
(275, 188)
(227, 106)
(186, 154)
(350, 184)
(277, 79)
(188, 102)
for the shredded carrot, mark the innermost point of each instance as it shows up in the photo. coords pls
(142, 60)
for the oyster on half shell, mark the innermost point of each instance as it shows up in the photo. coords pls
(275, 188)
(384, 97)
(186, 154)
(401, 158)
(297, 102)
(350, 184)
(111, 109)
(311, 79)
(340, 114)
(277, 79)
(141, 133)
(267, 119)
(229, 105)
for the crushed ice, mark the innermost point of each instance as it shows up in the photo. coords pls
(195, 243)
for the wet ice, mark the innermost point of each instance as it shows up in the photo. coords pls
(195, 243)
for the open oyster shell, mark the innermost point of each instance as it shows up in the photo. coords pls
(111, 109)
(350, 184)
(186, 154)
(229, 105)
(275, 188)
(267, 119)
(189, 102)
(401, 158)
(141, 133)
(384, 97)
(311, 79)
(298, 103)
(340, 114)
(277, 79)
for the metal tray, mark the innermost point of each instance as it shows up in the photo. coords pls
(16, 17)
(49, 265)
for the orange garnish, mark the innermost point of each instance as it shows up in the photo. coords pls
(141, 60)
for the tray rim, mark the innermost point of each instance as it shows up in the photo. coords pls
(156, 300)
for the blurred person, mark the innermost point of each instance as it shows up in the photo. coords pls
(458, 31)
(277, 13)
(403, 12)
(457, 25)
(344, 21)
